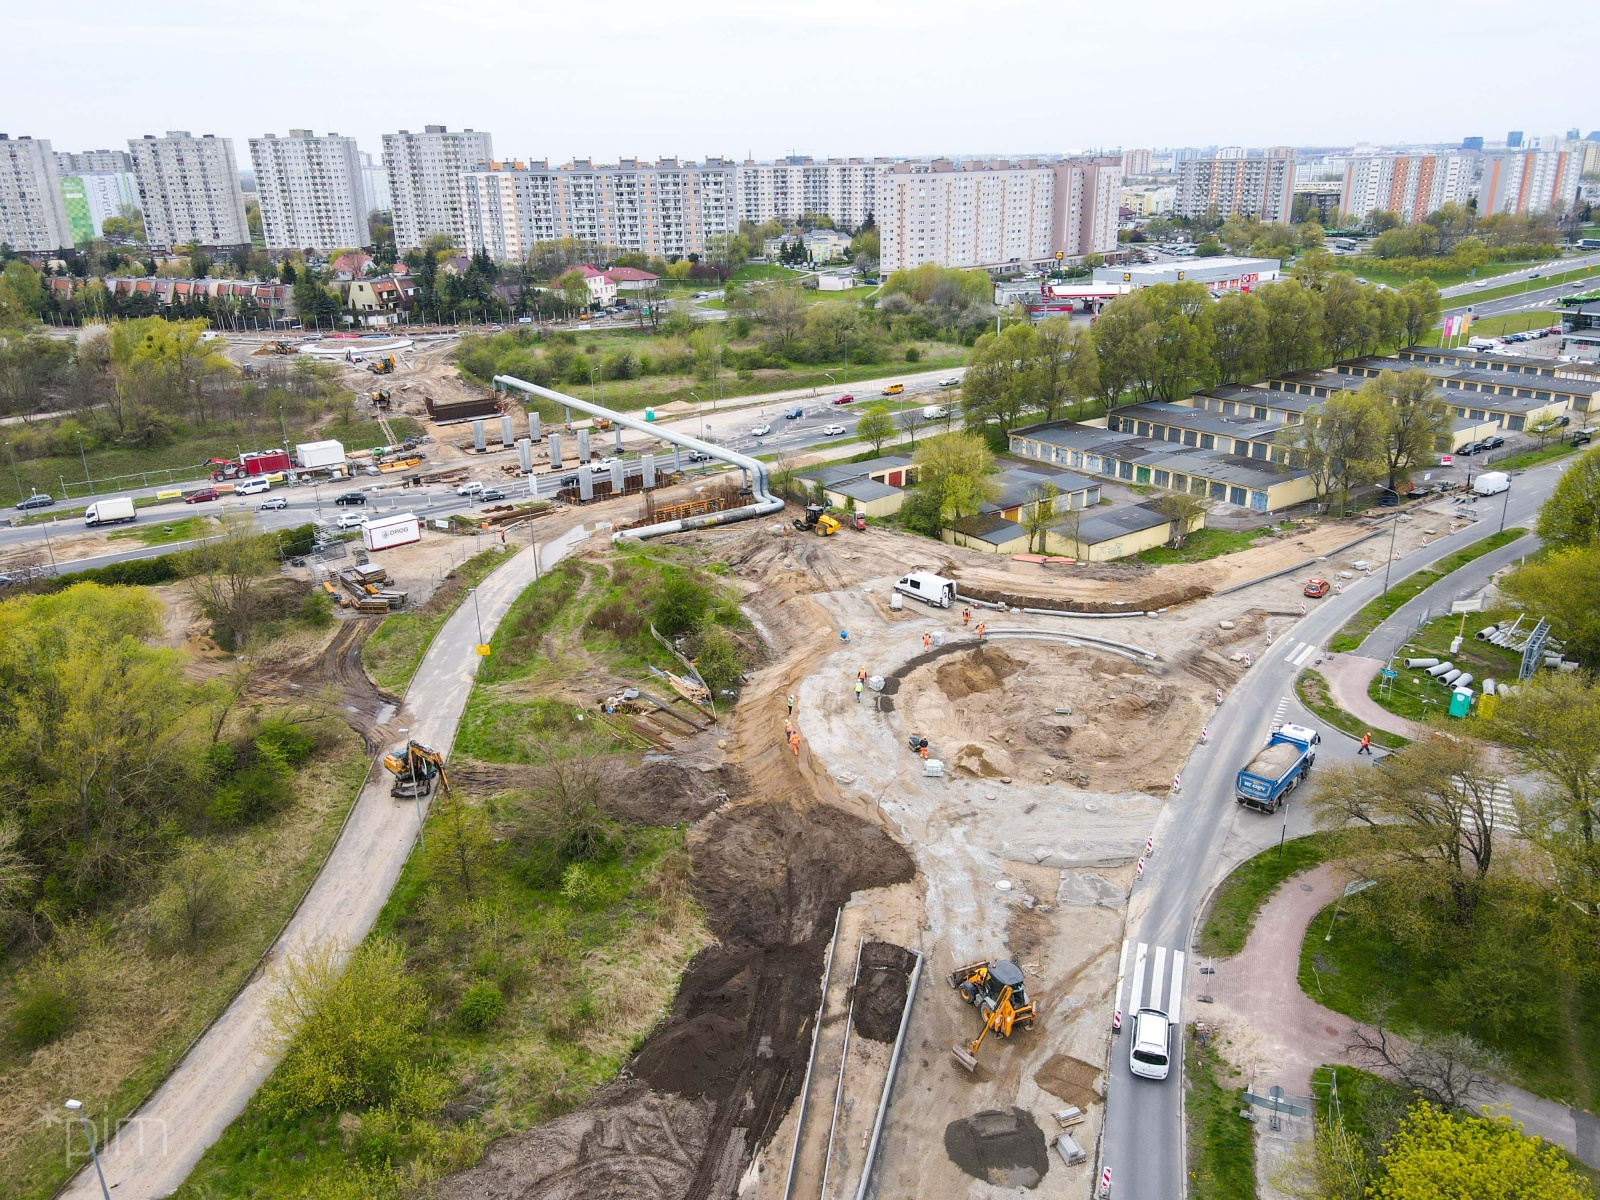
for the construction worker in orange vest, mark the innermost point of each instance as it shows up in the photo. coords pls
(980, 631)
(966, 616)
(927, 640)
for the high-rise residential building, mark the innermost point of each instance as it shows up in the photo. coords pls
(95, 184)
(189, 190)
(999, 214)
(94, 162)
(1135, 162)
(662, 209)
(425, 171)
(1411, 185)
(1527, 182)
(1259, 187)
(845, 189)
(32, 217)
(311, 191)
(376, 179)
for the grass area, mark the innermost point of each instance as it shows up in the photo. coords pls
(1414, 695)
(1550, 1045)
(395, 649)
(1549, 279)
(180, 530)
(1520, 322)
(147, 1004)
(1540, 454)
(1234, 905)
(1315, 694)
(1444, 277)
(1222, 1152)
(1203, 544)
(1375, 612)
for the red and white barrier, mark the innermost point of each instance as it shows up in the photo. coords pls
(1138, 872)
(1105, 1183)
(1116, 1021)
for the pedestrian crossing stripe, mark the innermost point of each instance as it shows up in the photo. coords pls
(1157, 980)
(1305, 651)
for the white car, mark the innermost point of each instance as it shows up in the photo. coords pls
(1481, 283)
(949, 381)
(832, 430)
(272, 503)
(761, 430)
(603, 465)
(1150, 1049)
(349, 521)
(469, 489)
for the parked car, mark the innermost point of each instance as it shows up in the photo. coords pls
(351, 498)
(470, 488)
(491, 494)
(1317, 588)
(847, 398)
(761, 430)
(350, 521)
(603, 465)
(271, 503)
(1492, 443)
(832, 430)
(1470, 449)
(202, 496)
(1563, 421)
(794, 414)
(1582, 438)
(37, 500)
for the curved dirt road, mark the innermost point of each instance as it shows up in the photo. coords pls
(159, 1145)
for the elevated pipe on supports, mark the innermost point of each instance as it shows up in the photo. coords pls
(764, 503)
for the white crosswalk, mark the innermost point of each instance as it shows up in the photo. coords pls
(1301, 653)
(1278, 716)
(1157, 980)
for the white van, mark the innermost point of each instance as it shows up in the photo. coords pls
(935, 412)
(251, 486)
(927, 587)
(1150, 1051)
(1482, 343)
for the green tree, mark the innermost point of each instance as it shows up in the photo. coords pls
(1565, 587)
(1294, 327)
(1003, 376)
(1348, 321)
(1440, 1156)
(1341, 443)
(1570, 517)
(1238, 337)
(1125, 347)
(955, 467)
(781, 312)
(1041, 514)
(875, 425)
(1415, 419)
(1182, 332)
(1422, 309)
(21, 295)
(1181, 509)
(1068, 369)
(224, 575)
(460, 848)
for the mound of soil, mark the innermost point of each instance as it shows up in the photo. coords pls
(1003, 1147)
(1070, 1079)
(658, 791)
(983, 670)
(880, 994)
(1151, 596)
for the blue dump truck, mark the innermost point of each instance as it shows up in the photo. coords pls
(1277, 769)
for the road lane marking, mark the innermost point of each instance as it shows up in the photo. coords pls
(1122, 970)
(1136, 997)
(1175, 1005)
(1306, 651)
(1157, 971)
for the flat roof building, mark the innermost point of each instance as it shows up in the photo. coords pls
(311, 191)
(424, 172)
(189, 191)
(1238, 187)
(1224, 273)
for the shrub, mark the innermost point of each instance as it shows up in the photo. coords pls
(680, 605)
(253, 793)
(480, 1006)
(44, 1013)
(618, 619)
(296, 542)
(719, 659)
(913, 354)
(195, 900)
(284, 741)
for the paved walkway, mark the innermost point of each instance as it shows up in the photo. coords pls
(1348, 676)
(161, 1144)
(1289, 1034)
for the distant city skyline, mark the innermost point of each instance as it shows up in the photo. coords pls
(708, 77)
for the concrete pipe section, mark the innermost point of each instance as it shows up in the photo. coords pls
(764, 502)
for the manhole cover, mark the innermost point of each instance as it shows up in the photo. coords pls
(1305, 887)
(1003, 885)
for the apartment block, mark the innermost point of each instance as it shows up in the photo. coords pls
(32, 217)
(998, 214)
(1529, 182)
(189, 190)
(845, 189)
(1258, 187)
(1411, 185)
(95, 184)
(663, 208)
(425, 171)
(1136, 162)
(375, 179)
(94, 162)
(311, 191)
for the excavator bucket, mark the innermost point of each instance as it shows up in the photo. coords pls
(964, 1057)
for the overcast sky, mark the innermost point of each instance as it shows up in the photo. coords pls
(646, 78)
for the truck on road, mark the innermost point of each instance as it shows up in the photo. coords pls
(1266, 780)
(110, 511)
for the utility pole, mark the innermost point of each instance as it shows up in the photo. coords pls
(1394, 527)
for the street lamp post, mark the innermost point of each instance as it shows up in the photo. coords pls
(84, 455)
(76, 1108)
(15, 474)
(1506, 503)
(478, 614)
(1394, 527)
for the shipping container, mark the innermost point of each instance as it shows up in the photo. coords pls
(398, 530)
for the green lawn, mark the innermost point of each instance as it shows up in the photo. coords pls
(1521, 322)
(1236, 902)
(1375, 612)
(1414, 695)
(395, 649)
(1442, 277)
(1549, 279)
(1222, 1153)
(1313, 691)
(1532, 458)
(1203, 544)
(153, 533)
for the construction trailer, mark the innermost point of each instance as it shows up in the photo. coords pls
(385, 533)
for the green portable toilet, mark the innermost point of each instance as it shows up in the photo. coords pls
(1460, 704)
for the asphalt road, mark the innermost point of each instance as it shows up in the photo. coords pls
(1521, 273)
(1534, 297)
(1201, 834)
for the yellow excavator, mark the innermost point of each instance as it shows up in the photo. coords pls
(995, 989)
(818, 520)
(382, 366)
(416, 769)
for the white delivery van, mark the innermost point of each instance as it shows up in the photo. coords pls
(927, 587)
(1482, 343)
(111, 511)
(935, 412)
(1491, 483)
(251, 486)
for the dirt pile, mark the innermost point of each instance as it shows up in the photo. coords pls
(770, 875)
(880, 994)
(984, 670)
(1003, 1147)
(1137, 595)
(365, 707)
(1070, 1079)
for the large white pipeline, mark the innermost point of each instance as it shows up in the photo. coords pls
(765, 502)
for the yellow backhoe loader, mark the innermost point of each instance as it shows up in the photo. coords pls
(995, 989)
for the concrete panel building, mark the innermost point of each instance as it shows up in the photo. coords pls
(376, 182)
(425, 172)
(311, 191)
(32, 215)
(1135, 162)
(845, 189)
(662, 208)
(189, 191)
(1244, 187)
(1532, 182)
(1412, 185)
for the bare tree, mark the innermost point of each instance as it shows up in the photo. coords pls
(910, 420)
(1450, 1070)
(562, 819)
